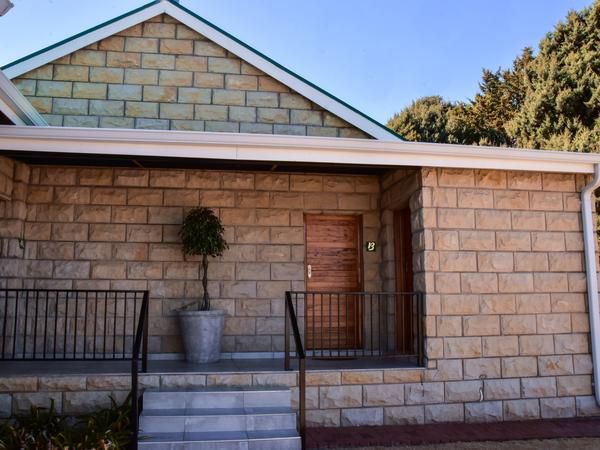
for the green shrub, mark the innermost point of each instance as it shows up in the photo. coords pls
(45, 429)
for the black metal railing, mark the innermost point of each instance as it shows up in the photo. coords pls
(140, 343)
(291, 320)
(41, 324)
(350, 325)
(359, 325)
(68, 325)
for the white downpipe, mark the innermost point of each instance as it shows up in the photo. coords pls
(589, 240)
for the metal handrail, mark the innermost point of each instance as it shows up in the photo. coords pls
(69, 325)
(414, 315)
(290, 314)
(141, 339)
(360, 325)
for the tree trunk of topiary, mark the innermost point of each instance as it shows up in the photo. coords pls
(205, 305)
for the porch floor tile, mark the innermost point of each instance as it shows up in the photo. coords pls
(40, 368)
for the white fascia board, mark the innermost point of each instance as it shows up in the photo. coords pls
(84, 40)
(272, 148)
(16, 107)
(324, 101)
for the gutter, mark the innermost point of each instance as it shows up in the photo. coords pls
(589, 241)
(277, 148)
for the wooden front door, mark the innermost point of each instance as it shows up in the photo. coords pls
(404, 280)
(333, 264)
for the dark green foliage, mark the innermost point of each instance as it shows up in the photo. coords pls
(547, 101)
(44, 429)
(425, 120)
(202, 234)
(562, 88)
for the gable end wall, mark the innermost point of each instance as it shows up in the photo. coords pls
(160, 74)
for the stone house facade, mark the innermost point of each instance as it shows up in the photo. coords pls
(497, 245)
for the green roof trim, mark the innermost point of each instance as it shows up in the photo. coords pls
(78, 35)
(220, 30)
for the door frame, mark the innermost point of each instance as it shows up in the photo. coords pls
(359, 307)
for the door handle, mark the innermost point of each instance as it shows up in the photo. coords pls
(309, 271)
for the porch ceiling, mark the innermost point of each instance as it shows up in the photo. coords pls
(67, 159)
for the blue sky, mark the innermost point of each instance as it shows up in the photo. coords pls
(378, 55)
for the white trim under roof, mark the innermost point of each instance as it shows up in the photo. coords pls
(16, 107)
(273, 148)
(319, 96)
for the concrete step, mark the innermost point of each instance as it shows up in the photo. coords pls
(219, 419)
(229, 440)
(214, 399)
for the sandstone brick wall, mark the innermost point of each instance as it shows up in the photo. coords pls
(499, 256)
(103, 228)
(13, 190)
(505, 284)
(333, 397)
(162, 75)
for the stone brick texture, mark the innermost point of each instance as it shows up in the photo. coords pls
(333, 397)
(160, 74)
(498, 255)
(117, 228)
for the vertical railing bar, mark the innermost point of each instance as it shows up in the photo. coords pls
(339, 337)
(390, 302)
(46, 325)
(104, 331)
(114, 327)
(95, 323)
(313, 329)
(4, 319)
(25, 324)
(286, 336)
(134, 397)
(66, 321)
(85, 325)
(404, 310)
(16, 324)
(371, 321)
(295, 306)
(135, 319)
(382, 316)
(302, 399)
(330, 327)
(76, 323)
(146, 309)
(55, 324)
(35, 323)
(35, 326)
(421, 351)
(124, 321)
(321, 328)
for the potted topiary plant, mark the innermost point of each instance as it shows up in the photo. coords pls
(202, 328)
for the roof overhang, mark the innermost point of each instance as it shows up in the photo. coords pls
(272, 148)
(16, 107)
(244, 51)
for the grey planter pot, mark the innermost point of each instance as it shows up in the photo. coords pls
(202, 332)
